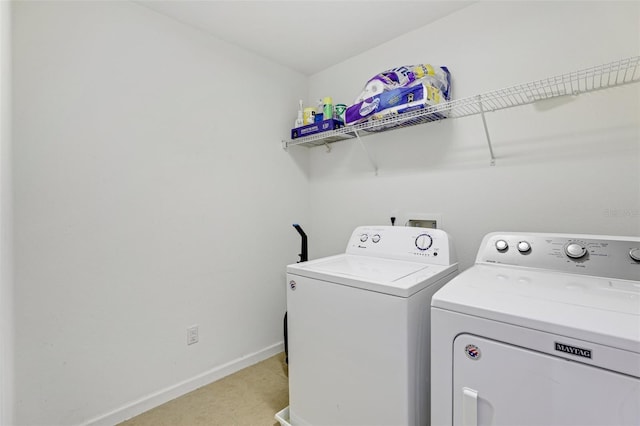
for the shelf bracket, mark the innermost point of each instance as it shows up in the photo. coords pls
(373, 163)
(486, 131)
(326, 145)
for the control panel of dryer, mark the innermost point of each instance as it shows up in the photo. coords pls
(408, 243)
(604, 256)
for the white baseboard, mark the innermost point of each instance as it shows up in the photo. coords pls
(155, 399)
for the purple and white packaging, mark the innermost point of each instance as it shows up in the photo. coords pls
(400, 90)
(394, 101)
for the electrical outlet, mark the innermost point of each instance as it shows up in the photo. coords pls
(192, 335)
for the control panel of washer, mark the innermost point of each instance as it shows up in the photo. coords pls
(408, 243)
(605, 256)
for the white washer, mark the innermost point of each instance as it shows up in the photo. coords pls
(544, 329)
(358, 328)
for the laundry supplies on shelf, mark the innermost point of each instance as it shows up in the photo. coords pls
(400, 90)
(321, 119)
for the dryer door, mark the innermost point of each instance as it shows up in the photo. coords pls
(498, 384)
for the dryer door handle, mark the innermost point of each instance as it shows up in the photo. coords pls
(469, 407)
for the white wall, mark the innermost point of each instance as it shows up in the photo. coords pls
(570, 165)
(151, 193)
(6, 244)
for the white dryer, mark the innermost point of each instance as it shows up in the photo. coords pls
(358, 328)
(544, 329)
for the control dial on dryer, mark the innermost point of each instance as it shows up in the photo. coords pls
(634, 253)
(424, 241)
(575, 250)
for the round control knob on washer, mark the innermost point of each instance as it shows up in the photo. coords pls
(423, 242)
(524, 247)
(364, 237)
(375, 238)
(634, 253)
(501, 245)
(575, 250)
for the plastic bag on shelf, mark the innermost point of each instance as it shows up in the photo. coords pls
(389, 89)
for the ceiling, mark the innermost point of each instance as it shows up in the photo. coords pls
(306, 35)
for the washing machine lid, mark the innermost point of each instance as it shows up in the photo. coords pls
(389, 276)
(600, 310)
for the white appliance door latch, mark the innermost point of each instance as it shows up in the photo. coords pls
(469, 407)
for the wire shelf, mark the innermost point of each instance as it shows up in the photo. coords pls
(618, 73)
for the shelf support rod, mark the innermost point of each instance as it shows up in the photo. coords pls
(373, 163)
(486, 131)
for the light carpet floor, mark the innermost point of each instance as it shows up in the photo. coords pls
(251, 396)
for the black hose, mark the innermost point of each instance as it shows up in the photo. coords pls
(304, 255)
